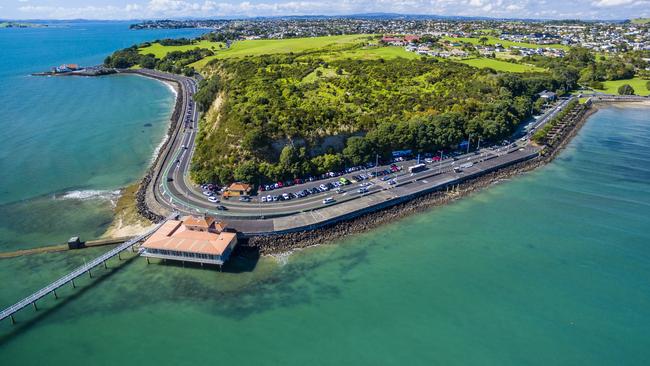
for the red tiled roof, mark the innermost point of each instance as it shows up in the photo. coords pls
(174, 235)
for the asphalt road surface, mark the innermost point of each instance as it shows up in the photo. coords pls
(174, 189)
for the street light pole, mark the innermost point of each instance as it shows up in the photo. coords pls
(376, 164)
(469, 142)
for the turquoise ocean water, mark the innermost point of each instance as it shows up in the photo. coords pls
(550, 268)
(67, 144)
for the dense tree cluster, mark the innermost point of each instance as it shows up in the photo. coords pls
(279, 110)
(175, 41)
(175, 62)
(591, 70)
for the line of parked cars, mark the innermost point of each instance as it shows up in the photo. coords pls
(211, 191)
(334, 185)
(288, 183)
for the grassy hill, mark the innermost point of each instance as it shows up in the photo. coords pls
(279, 116)
(638, 84)
(160, 51)
(640, 21)
(494, 40)
(356, 47)
(499, 65)
(282, 46)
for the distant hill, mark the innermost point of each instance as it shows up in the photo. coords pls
(640, 21)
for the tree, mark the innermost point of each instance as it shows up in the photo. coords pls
(483, 40)
(647, 86)
(246, 172)
(327, 162)
(254, 140)
(625, 89)
(357, 150)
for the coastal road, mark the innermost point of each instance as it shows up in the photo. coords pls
(173, 189)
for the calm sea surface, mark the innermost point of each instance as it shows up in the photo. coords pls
(551, 268)
(68, 144)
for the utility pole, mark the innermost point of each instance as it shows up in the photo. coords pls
(469, 142)
(376, 164)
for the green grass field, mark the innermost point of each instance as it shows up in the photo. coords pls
(274, 46)
(638, 84)
(493, 40)
(500, 65)
(159, 51)
(372, 53)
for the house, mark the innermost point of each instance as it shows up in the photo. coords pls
(191, 239)
(66, 68)
(393, 41)
(411, 39)
(549, 96)
(237, 189)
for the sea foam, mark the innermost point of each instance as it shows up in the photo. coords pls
(91, 194)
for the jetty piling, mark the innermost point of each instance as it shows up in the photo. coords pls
(70, 277)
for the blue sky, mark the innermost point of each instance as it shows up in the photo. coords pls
(139, 9)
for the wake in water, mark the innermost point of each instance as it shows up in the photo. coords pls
(91, 194)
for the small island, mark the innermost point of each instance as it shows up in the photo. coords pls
(76, 70)
(21, 25)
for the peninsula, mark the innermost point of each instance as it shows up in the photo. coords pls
(285, 136)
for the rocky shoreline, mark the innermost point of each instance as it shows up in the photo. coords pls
(141, 194)
(282, 243)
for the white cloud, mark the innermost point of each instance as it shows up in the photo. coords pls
(212, 8)
(608, 3)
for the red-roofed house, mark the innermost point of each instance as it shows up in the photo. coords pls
(191, 239)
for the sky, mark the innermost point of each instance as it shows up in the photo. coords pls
(157, 9)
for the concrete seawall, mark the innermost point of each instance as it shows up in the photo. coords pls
(375, 216)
